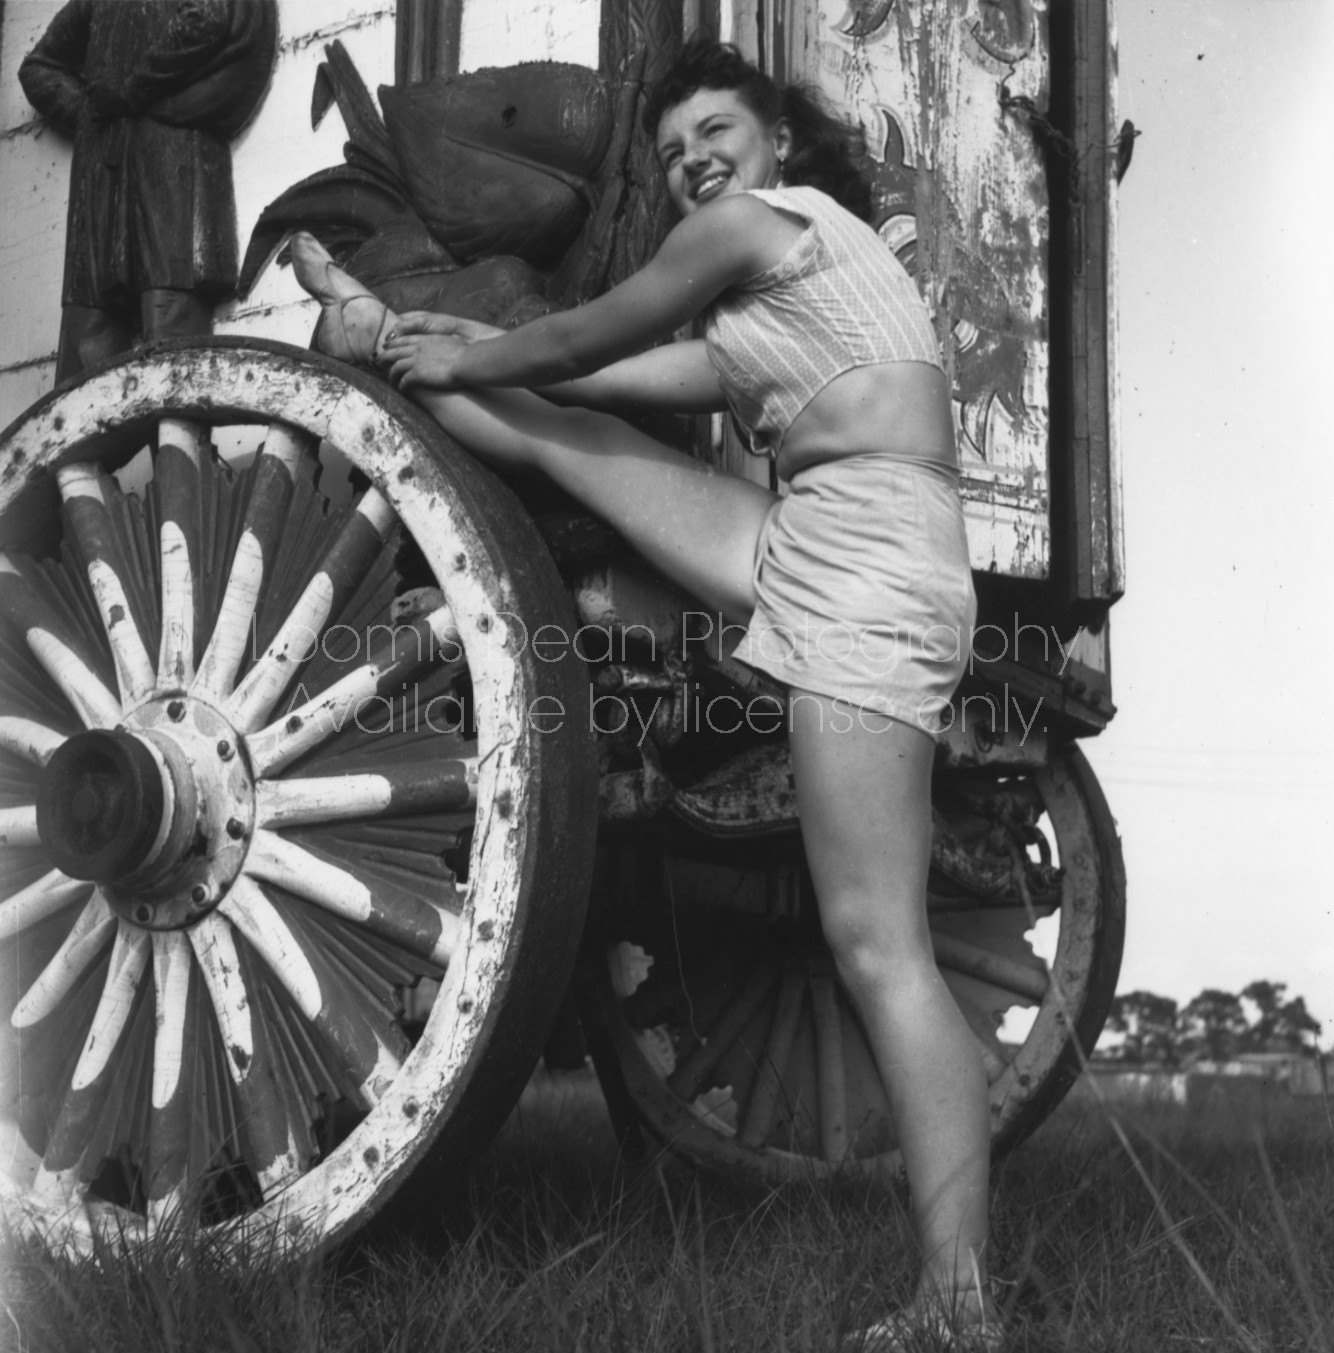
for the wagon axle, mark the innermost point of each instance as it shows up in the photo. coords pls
(158, 812)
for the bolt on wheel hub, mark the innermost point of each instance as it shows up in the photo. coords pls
(158, 812)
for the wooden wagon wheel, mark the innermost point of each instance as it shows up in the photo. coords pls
(739, 1048)
(253, 788)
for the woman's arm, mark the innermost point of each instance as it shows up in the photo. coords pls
(676, 378)
(721, 244)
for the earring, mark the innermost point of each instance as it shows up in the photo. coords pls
(782, 168)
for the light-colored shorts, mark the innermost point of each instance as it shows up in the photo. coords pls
(863, 588)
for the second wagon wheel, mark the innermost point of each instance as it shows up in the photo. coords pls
(255, 785)
(736, 1043)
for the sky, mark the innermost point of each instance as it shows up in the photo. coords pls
(1219, 765)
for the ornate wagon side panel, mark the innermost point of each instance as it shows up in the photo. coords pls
(940, 88)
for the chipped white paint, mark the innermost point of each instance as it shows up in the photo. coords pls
(375, 508)
(227, 644)
(29, 739)
(326, 1201)
(185, 435)
(297, 640)
(246, 907)
(176, 662)
(302, 729)
(134, 668)
(287, 445)
(291, 866)
(171, 984)
(77, 950)
(382, 1076)
(80, 685)
(325, 798)
(332, 798)
(215, 948)
(298, 637)
(80, 481)
(129, 958)
(40, 899)
(18, 826)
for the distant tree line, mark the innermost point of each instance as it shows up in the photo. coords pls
(1216, 1025)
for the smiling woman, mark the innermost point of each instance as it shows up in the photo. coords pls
(813, 335)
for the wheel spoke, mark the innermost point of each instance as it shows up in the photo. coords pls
(169, 1121)
(181, 446)
(171, 979)
(301, 730)
(58, 653)
(1027, 980)
(29, 739)
(79, 948)
(352, 553)
(252, 565)
(90, 1084)
(274, 1155)
(18, 826)
(416, 924)
(829, 1067)
(129, 958)
(84, 494)
(691, 1075)
(766, 1095)
(444, 786)
(258, 920)
(40, 899)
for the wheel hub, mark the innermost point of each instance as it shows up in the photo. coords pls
(158, 812)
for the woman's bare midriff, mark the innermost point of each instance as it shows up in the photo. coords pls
(899, 408)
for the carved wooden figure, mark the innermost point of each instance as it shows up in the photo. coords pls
(152, 91)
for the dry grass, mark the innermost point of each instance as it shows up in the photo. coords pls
(1152, 1230)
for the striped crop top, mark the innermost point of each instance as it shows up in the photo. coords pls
(838, 299)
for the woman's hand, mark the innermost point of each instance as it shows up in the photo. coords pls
(422, 322)
(423, 360)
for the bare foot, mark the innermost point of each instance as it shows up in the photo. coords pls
(352, 322)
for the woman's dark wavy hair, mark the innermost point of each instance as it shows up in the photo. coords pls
(825, 151)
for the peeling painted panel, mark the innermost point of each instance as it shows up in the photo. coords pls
(962, 195)
(506, 32)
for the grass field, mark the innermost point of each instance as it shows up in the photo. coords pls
(1155, 1230)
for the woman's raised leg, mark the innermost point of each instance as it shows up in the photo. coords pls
(864, 796)
(693, 523)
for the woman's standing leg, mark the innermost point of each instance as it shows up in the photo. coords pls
(864, 795)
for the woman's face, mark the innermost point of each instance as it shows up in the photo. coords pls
(713, 144)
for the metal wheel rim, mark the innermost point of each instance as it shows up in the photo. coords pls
(206, 381)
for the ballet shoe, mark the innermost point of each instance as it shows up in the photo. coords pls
(352, 321)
